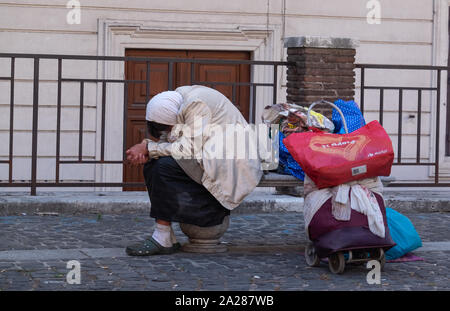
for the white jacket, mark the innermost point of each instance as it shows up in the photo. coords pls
(228, 180)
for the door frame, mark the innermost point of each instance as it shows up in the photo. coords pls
(440, 57)
(263, 41)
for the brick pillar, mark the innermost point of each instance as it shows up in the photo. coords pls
(323, 68)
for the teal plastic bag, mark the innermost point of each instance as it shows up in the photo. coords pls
(403, 233)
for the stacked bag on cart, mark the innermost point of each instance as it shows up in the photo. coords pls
(291, 119)
(334, 159)
(345, 168)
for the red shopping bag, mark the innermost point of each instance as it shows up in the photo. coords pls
(333, 159)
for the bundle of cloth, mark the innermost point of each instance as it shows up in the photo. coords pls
(357, 195)
(293, 119)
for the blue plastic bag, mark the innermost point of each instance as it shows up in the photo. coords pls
(352, 115)
(403, 233)
(287, 163)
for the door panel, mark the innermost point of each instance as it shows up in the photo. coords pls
(136, 132)
(138, 98)
(219, 73)
(226, 73)
(140, 93)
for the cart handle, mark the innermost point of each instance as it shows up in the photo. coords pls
(329, 103)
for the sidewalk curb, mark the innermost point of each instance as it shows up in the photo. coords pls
(418, 201)
(137, 202)
(123, 203)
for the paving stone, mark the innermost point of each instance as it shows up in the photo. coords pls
(247, 267)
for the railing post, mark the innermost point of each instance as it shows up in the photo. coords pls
(419, 123)
(275, 84)
(381, 104)
(102, 139)
(253, 117)
(58, 121)
(35, 126)
(438, 120)
(125, 118)
(80, 134)
(400, 126)
(11, 120)
(362, 90)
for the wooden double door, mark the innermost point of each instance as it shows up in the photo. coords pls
(138, 94)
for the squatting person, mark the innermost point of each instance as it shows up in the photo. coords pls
(184, 182)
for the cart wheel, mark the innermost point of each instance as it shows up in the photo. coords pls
(312, 259)
(336, 263)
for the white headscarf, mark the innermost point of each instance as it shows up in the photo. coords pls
(163, 107)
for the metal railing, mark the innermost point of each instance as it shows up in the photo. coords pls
(33, 184)
(437, 70)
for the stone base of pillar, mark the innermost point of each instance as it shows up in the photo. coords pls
(296, 191)
(205, 239)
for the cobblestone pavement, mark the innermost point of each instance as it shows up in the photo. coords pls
(265, 254)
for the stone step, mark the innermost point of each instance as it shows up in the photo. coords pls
(262, 200)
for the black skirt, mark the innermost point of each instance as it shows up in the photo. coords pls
(175, 197)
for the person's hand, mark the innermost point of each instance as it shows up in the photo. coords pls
(138, 154)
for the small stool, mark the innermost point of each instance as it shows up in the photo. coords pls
(205, 239)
